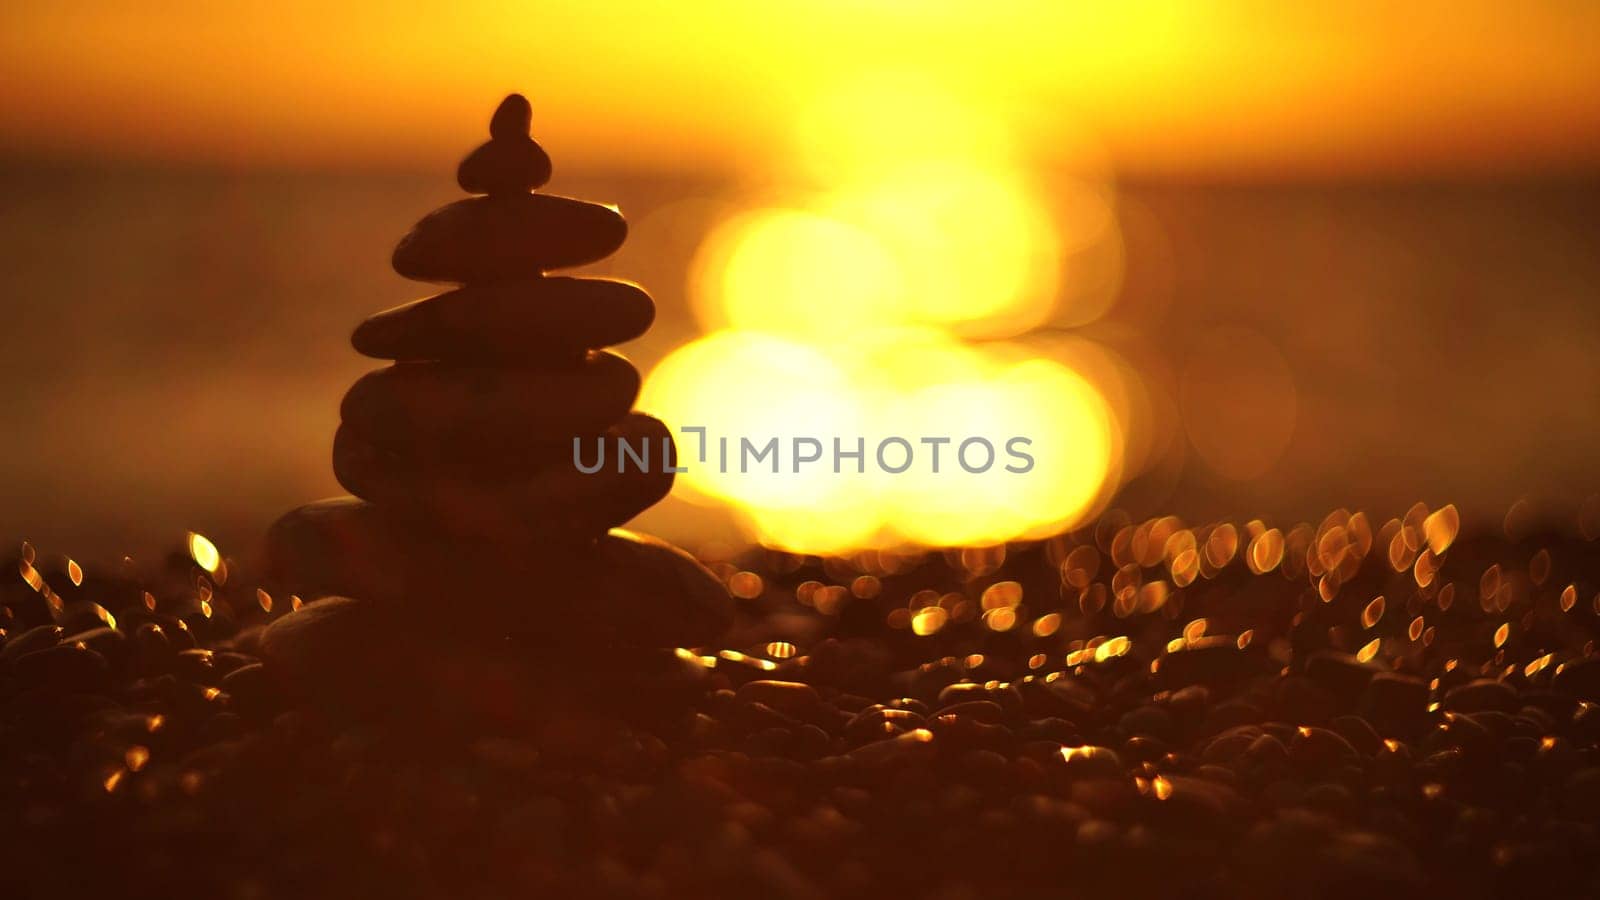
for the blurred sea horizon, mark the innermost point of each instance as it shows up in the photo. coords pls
(177, 342)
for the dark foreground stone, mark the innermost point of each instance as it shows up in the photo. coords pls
(621, 587)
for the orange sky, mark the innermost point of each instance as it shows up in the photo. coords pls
(1244, 87)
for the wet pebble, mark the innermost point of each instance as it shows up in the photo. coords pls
(878, 722)
(253, 689)
(64, 668)
(788, 697)
(1266, 758)
(1150, 721)
(1091, 762)
(1216, 661)
(964, 733)
(911, 747)
(108, 642)
(152, 652)
(1579, 678)
(1319, 751)
(986, 711)
(37, 638)
(1479, 695)
(1344, 677)
(1395, 704)
(1051, 728)
(1358, 732)
(1002, 694)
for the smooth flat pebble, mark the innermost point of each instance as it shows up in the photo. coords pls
(433, 401)
(508, 236)
(509, 320)
(507, 456)
(548, 497)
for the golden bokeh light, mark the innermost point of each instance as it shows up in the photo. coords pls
(977, 252)
(1145, 426)
(928, 620)
(1074, 448)
(907, 206)
(766, 387)
(1373, 612)
(846, 313)
(1370, 650)
(1441, 527)
(793, 272)
(1266, 551)
(1539, 566)
(203, 552)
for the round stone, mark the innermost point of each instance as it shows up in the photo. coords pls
(1091, 761)
(433, 402)
(548, 495)
(367, 660)
(509, 319)
(1318, 750)
(1212, 660)
(661, 591)
(504, 166)
(513, 118)
(1481, 694)
(618, 590)
(40, 637)
(1579, 678)
(358, 658)
(1396, 704)
(65, 668)
(363, 657)
(508, 236)
(1341, 675)
(791, 698)
(343, 545)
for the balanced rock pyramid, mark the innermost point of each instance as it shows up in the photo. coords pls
(470, 517)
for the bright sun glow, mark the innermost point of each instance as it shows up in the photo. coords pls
(918, 384)
(846, 311)
(791, 272)
(976, 250)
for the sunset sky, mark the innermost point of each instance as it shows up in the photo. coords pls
(1231, 88)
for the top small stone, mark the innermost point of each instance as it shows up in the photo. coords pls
(513, 119)
(510, 162)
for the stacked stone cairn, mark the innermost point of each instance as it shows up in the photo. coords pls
(474, 538)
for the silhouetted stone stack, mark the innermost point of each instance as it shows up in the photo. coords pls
(469, 510)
